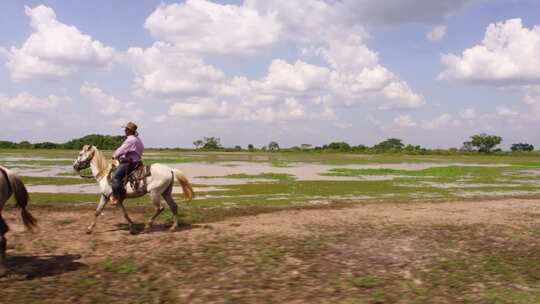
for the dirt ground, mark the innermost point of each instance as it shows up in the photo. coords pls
(452, 252)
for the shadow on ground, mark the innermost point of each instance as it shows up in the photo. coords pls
(31, 267)
(139, 227)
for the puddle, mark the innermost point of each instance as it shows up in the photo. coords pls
(219, 170)
(44, 171)
(94, 189)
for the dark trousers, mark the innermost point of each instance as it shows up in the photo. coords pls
(121, 172)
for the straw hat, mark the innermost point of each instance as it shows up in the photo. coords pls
(131, 126)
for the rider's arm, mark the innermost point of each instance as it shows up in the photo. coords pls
(124, 148)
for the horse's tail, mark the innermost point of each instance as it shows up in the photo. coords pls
(186, 185)
(21, 198)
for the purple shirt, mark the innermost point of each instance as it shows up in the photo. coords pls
(131, 150)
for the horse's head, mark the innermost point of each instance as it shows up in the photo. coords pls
(85, 158)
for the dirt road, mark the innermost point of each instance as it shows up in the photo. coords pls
(454, 252)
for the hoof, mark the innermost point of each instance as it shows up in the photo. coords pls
(88, 231)
(132, 231)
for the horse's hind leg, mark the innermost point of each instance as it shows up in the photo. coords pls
(102, 202)
(156, 200)
(167, 195)
(3, 245)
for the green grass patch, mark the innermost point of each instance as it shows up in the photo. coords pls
(280, 164)
(56, 181)
(124, 266)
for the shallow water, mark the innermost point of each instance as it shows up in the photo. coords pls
(217, 171)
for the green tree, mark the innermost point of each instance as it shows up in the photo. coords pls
(391, 144)
(212, 143)
(273, 146)
(337, 146)
(521, 147)
(198, 143)
(251, 147)
(484, 142)
(103, 142)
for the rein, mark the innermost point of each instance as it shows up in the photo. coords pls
(85, 164)
(85, 176)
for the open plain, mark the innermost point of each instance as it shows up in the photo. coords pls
(286, 227)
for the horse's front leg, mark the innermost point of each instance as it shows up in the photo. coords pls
(126, 216)
(156, 200)
(102, 203)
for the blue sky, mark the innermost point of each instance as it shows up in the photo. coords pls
(257, 71)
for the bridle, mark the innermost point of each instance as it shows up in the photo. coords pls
(85, 164)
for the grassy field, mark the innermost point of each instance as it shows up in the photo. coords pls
(368, 229)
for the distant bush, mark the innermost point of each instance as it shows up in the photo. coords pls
(522, 147)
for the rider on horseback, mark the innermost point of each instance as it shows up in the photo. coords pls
(129, 155)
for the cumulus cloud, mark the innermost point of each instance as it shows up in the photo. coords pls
(297, 77)
(164, 70)
(343, 125)
(26, 102)
(174, 68)
(443, 121)
(404, 121)
(436, 33)
(199, 107)
(468, 114)
(54, 49)
(204, 26)
(506, 112)
(109, 105)
(508, 55)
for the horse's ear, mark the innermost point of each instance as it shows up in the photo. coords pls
(86, 148)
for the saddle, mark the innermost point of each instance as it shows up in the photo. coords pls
(137, 178)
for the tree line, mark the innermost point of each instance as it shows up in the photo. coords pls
(104, 142)
(483, 143)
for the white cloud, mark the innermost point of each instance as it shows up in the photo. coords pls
(300, 77)
(119, 112)
(436, 33)
(174, 69)
(343, 125)
(164, 70)
(348, 53)
(199, 107)
(204, 26)
(54, 49)
(508, 55)
(468, 114)
(25, 102)
(506, 112)
(293, 16)
(108, 105)
(443, 121)
(404, 121)
(532, 95)
(401, 97)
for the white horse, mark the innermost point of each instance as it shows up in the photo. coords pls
(11, 184)
(159, 184)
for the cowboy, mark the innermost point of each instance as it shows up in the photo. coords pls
(129, 155)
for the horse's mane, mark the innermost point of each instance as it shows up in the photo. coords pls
(101, 162)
